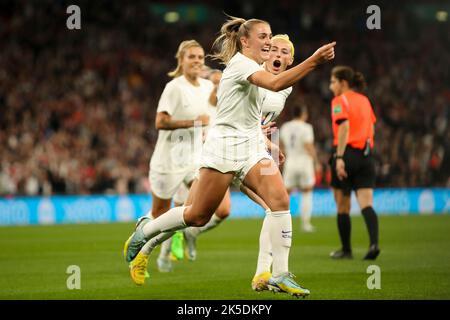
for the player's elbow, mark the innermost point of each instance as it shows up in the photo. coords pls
(158, 125)
(161, 121)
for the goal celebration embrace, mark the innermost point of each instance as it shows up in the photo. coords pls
(243, 46)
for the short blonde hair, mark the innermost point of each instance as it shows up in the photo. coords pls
(285, 37)
(180, 54)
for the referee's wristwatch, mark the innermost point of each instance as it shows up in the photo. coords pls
(339, 157)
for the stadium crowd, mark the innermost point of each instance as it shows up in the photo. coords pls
(78, 106)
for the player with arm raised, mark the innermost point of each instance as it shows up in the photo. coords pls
(235, 146)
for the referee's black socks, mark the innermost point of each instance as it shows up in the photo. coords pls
(345, 228)
(372, 224)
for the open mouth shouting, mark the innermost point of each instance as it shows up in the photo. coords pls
(277, 64)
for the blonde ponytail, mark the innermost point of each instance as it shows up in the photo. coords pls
(228, 43)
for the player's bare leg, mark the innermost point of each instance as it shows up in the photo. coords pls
(191, 233)
(211, 190)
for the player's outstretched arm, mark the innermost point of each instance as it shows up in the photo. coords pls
(289, 77)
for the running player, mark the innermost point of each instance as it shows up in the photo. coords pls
(352, 164)
(236, 146)
(297, 143)
(281, 56)
(223, 211)
(183, 104)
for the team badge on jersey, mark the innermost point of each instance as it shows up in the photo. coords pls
(337, 108)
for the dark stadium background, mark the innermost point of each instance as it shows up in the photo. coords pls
(77, 111)
(78, 106)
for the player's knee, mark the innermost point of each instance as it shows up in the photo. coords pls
(223, 213)
(199, 221)
(343, 207)
(280, 201)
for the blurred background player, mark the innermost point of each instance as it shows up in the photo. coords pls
(352, 164)
(223, 211)
(183, 105)
(297, 143)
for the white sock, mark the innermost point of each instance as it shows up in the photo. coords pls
(212, 223)
(265, 247)
(306, 207)
(155, 241)
(281, 239)
(172, 220)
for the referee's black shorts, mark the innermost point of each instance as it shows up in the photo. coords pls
(360, 171)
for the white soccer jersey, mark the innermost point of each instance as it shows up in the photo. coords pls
(235, 142)
(179, 150)
(273, 103)
(239, 101)
(212, 113)
(294, 134)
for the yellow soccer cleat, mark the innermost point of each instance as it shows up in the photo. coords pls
(138, 269)
(260, 281)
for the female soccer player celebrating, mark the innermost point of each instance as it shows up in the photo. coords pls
(174, 161)
(281, 57)
(235, 146)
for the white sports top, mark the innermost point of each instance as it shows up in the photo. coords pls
(179, 150)
(294, 134)
(273, 103)
(239, 102)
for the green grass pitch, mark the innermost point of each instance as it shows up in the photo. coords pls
(414, 262)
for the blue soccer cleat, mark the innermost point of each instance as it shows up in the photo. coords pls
(136, 241)
(285, 283)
